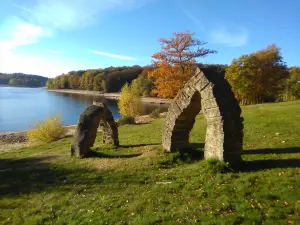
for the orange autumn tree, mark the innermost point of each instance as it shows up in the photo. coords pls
(174, 63)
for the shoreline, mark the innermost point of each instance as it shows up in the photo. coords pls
(17, 137)
(114, 96)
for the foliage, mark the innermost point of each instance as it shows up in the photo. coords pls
(98, 82)
(143, 84)
(130, 103)
(292, 85)
(47, 131)
(257, 77)
(175, 61)
(20, 79)
(126, 120)
(154, 114)
(215, 166)
(43, 185)
(110, 79)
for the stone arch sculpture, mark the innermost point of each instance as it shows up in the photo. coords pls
(209, 91)
(86, 131)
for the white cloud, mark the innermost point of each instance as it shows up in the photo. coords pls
(233, 37)
(113, 55)
(230, 38)
(15, 62)
(72, 14)
(194, 20)
(20, 34)
(43, 18)
(53, 51)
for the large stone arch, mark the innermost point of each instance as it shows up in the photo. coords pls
(209, 91)
(86, 131)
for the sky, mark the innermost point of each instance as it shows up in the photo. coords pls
(51, 37)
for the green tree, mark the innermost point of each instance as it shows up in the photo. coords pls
(130, 103)
(257, 77)
(49, 83)
(87, 80)
(292, 85)
(12, 82)
(75, 81)
(98, 81)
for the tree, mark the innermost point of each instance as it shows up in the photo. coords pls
(257, 77)
(49, 83)
(175, 61)
(130, 103)
(292, 85)
(75, 81)
(87, 80)
(98, 81)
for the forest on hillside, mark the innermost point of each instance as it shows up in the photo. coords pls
(24, 80)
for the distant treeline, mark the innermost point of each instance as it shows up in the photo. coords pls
(20, 79)
(112, 79)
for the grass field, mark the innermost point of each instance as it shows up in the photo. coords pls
(140, 184)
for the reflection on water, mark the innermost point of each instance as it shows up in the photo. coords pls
(21, 107)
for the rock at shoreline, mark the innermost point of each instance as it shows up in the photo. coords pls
(13, 137)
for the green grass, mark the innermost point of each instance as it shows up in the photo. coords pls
(139, 184)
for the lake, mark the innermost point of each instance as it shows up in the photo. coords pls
(21, 107)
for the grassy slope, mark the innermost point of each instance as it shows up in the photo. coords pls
(139, 184)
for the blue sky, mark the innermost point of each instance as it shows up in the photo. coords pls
(50, 37)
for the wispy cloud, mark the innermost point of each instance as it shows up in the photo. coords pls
(54, 51)
(230, 38)
(196, 21)
(70, 14)
(116, 56)
(20, 34)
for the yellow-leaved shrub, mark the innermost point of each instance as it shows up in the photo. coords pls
(130, 103)
(49, 130)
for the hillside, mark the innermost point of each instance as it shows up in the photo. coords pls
(20, 79)
(140, 184)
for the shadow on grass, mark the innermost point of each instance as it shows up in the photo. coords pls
(256, 165)
(96, 154)
(272, 151)
(184, 155)
(138, 145)
(37, 174)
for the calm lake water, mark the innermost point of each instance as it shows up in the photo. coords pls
(20, 108)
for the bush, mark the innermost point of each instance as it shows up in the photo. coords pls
(46, 131)
(130, 103)
(125, 120)
(154, 114)
(215, 166)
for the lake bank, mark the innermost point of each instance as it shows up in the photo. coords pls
(25, 106)
(18, 139)
(114, 96)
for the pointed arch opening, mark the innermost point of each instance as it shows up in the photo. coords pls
(212, 94)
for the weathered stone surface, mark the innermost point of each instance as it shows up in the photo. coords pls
(211, 92)
(89, 121)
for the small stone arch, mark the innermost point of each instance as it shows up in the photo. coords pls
(209, 91)
(86, 131)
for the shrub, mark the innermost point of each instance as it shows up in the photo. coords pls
(130, 103)
(49, 130)
(154, 114)
(125, 120)
(215, 166)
